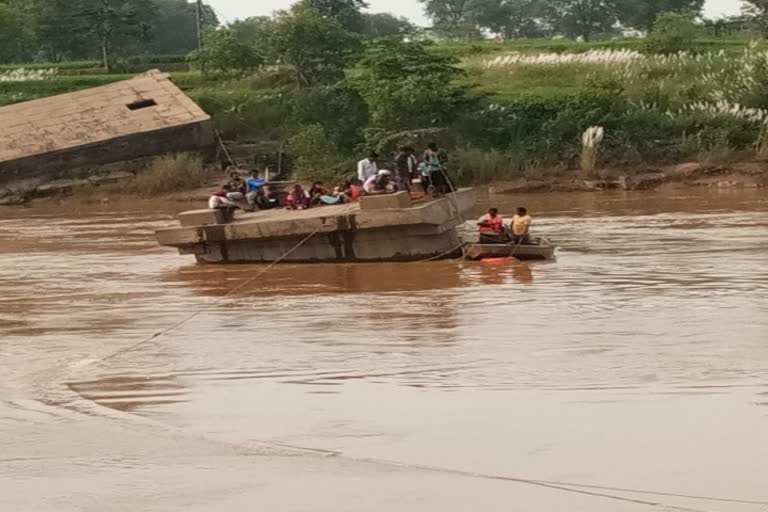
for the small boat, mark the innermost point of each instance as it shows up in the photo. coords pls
(540, 249)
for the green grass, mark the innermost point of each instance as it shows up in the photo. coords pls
(526, 81)
(15, 92)
(474, 48)
(512, 82)
(136, 64)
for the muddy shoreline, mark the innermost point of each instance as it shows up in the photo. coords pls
(733, 176)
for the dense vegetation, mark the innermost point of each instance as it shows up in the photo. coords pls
(326, 82)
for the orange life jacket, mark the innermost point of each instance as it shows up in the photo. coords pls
(492, 224)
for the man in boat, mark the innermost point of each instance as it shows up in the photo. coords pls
(492, 228)
(521, 227)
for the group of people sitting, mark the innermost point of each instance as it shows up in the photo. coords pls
(493, 229)
(246, 194)
(318, 195)
(256, 193)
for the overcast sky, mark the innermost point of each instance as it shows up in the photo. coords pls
(230, 10)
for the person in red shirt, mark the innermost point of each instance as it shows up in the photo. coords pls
(353, 190)
(492, 228)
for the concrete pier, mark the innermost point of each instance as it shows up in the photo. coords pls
(378, 228)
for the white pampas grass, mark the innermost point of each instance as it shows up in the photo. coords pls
(27, 75)
(590, 144)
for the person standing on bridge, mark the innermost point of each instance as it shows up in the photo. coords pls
(367, 167)
(406, 168)
(436, 162)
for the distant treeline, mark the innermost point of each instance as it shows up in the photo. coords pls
(104, 30)
(110, 30)
(585, 19)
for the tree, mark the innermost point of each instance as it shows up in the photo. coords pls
(255, 30)
(174, 26)
(757, 10)
(14, 33)
(90, 28)
(673, 32)
(452, 19)
(121, 26)
(448, 12)
(62, 30)
(465, 31)
(384, 24)
(317, 49)
(258, 31)
(346, 13)
(338, 108)
(510, 18)
(642, 15)
(583, 18)
(106, 29)
(408, 88)
(225, 54)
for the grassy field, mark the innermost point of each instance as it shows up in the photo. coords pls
(518, 81)
(469, 49)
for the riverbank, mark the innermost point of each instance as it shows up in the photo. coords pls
(740, 175)
(736, 176)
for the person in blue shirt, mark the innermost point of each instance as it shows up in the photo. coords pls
(254, 185)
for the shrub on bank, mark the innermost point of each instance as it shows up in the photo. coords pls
(164, 175)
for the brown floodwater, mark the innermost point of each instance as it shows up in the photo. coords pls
(630, 374)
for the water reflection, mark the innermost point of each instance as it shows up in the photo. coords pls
(291, 280)
(496, 273)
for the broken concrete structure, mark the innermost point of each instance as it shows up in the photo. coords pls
(72, 134)
(352, 232)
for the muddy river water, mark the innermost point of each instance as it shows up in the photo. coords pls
(630, 374)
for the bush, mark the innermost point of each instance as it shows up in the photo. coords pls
(406, 87)
(472, 166)
(339, 109)
(242, 114)
(164, 175)
(673, 32)
(226, 55)
(316, 157)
